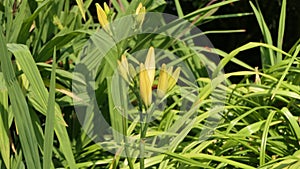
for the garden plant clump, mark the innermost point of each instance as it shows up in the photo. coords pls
(123, 84)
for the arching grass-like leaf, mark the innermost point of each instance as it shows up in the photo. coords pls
(39, 97)
(50, 118)
(20, 109)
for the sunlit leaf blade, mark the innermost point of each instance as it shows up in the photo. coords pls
(50, 118)
(268, 59)
(4, 125)
(264, 138)
(81, 8)
(281, 29)
(59, 40)
(179, 9)
(247, 46)
(39, 96)
(286, 71)
(20, 109)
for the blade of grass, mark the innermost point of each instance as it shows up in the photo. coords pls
(207, 8)
(20, 109)
(179, 9)
(285, 72)
(59, 41)
(24, 32)
(81, 8)
(213, 17)
(120, 5)
(17, 163)
(294, 124)
(50, 118)
(294, 47)
(116, 100)
(247, 46)
(4, 124)
(263, 146)
(40, 95)
(281, 28)
(18, 19)
(220, 159)
(270, 60)
(26, 62)
(188, 158)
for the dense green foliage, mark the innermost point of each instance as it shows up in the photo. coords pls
(41, 42)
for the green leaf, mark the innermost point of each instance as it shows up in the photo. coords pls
(20, 109)
(179, 9)
(286, 71)
(4, 124)
(267, 59)
(50, 118)
(281, 29)
(207, 8)
(247, 46)
(18, 19)
(24, 32)
(39, 97)
(293, 122)
(81, 8)
(264, 138)
(59, 41)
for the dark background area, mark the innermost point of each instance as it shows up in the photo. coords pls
(228, 42)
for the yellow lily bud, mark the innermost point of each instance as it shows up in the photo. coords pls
(150, 64)
(167, 80)
(170, 70)
(123, 68)
(140, 9)
(106, 9)
(140, 12)
(162, 86)
(145, 85)
(102, 17)
(173, 78)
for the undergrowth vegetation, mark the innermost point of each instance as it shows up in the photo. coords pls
(44, 46)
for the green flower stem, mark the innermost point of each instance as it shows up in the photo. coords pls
(142, 145)
(142, 134)
(124, 122)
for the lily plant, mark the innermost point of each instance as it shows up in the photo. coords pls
(143, 89)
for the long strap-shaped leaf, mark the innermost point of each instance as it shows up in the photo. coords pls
(50, 120)
(270, 60)
(247, 46)
(20, 109)
(286, 71)
(4, 124)
(40, 96)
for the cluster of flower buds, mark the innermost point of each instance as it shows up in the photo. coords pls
(126, 70)
(103, 14)
(140, 14)
(166, 81)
